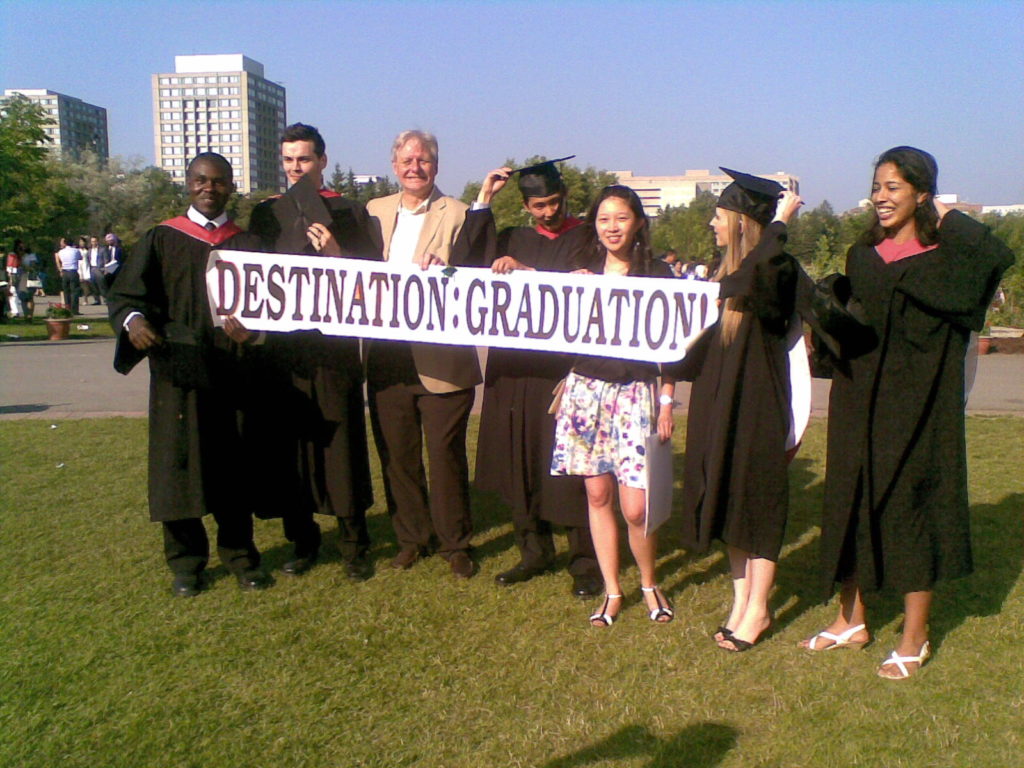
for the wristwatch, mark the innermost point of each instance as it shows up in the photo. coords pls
(666, 400)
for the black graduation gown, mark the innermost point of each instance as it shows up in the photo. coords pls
(897, 462)
(310, 434)
(195, 458)
(735, 485)
(516, 431)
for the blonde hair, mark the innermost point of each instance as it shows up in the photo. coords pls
(428, 140)
(744, 235)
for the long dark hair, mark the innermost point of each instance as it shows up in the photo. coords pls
(592, 255)
(919, 169)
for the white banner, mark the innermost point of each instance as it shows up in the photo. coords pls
(634, 318)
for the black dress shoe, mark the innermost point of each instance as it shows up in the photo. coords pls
(462, 566)
(585, 586)
(187, 584)
(358, 568)
(519, 573)
(252, 578)
(299, 565)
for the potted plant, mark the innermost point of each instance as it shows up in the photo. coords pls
(58, 321)
(985, 341)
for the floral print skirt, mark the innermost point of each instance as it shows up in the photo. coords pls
(602, 428)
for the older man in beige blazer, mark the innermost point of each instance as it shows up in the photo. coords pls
(422, 391)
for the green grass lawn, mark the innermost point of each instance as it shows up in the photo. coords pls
(99, 666)
(18, 330)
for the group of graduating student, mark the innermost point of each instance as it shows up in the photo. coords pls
(272, 425)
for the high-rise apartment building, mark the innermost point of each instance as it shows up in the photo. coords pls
(76, 124)
(220, 103)
(659, 192)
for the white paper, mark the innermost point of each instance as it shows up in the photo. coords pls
(659, 483)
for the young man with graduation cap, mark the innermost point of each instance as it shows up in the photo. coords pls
(516, 430)
(309, 432)
(158, 306)
(739, 425)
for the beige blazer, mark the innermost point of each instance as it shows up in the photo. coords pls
(441, 368)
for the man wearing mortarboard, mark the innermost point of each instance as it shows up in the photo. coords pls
(308, 435)
(516, 430)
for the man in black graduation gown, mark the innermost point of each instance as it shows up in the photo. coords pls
(158, 306)
(311, 439)
(516, 430)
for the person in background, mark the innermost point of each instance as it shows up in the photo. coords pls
(67, 259)
(15, 270)
(96, 258)
(88, 287)
(672, 260)
(30, 279)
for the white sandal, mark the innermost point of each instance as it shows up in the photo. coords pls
(902, 661)
(664, 607)
(842, 640)
(603, 615)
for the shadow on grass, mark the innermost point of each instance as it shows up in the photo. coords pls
(797, 580)
(998, 562)
(696, 746)
(487, 510)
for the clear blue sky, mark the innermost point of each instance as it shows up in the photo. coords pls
(817, 89)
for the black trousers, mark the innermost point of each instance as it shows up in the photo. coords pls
(98, 279)
(187, 547)
(71, 285)
(536, 545)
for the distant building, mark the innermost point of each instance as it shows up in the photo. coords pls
(954, 202)
(659, 192)
(220, 103)
(1002, 210)
(76, 126)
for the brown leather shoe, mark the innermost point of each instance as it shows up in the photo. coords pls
(461, 565)
(405, 558)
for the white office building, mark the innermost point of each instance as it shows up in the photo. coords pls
(659, 192)
(220, 103)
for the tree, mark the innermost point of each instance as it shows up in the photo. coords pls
(685, 229)
(347, 185)
(240, 206)
(23, 170)
(121, 196)
(1010, 229)
(507, 206)
(812, 238)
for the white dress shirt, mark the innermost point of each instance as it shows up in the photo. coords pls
(406, 236)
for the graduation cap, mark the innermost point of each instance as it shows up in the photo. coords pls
(752, 195)
(542, 179)
(296, 209)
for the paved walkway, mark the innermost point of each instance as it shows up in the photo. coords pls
(76, 379)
